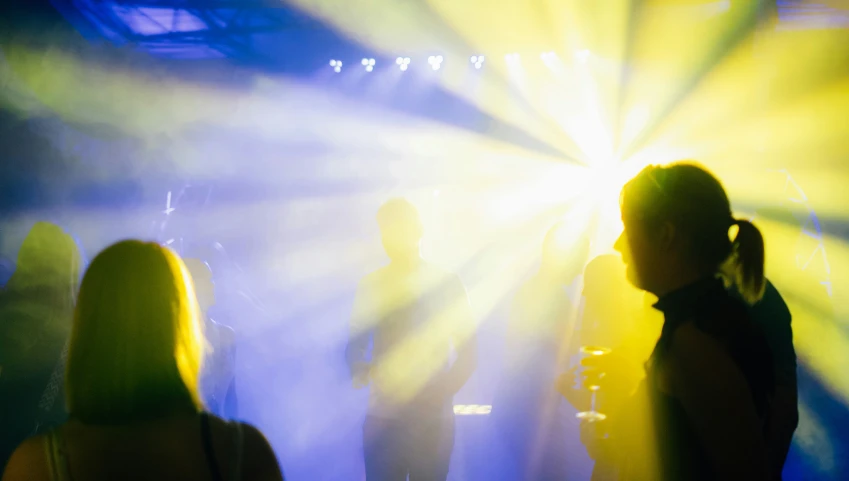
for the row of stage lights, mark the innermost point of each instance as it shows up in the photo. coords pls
(435, 61)
(403, 63)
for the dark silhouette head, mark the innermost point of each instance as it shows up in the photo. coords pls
(401, 230)
(201, 275)
(604, 278)
(677, 220)
(564, 253)
(38, 301)
(136, 343)
(48, 261)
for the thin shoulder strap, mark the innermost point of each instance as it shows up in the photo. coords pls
(208, 450)
(57, 460)
(236, 452)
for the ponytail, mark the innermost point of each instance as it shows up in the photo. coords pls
(747, 262)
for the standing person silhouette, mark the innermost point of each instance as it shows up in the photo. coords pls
(527, 404)
(218, 378)
(36, 309)
(413, 313)
(616, 316)
(701, 412)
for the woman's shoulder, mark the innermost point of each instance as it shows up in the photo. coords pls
(722, 316)
(257, 457)
(691, 339)
(696, 355)
(29, 461)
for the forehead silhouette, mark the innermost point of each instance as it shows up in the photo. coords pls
(397, 212)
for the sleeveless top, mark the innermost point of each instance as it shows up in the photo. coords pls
(57, 458)
(716, 312)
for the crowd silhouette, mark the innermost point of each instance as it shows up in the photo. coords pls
(686, 368)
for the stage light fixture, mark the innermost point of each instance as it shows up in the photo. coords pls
(337, 65)
(435, 61)
(477, 61)
(368, 63)
(403, 63)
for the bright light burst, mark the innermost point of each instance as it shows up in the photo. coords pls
(665, 82)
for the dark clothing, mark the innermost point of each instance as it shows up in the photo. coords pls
(773, 317)
(31, 380)
(714, 311)
(416, 445)
(21, 412)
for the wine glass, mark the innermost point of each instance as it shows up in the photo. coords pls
(593, 415)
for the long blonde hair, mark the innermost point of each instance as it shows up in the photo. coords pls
(136, 343)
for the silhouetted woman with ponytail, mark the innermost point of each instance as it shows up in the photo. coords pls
(701, 411)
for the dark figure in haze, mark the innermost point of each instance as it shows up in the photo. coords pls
(615, 315)
(413, 313)
(527, 406)
(218, 376)
(131, 385)
(36, 309)
(702, 410)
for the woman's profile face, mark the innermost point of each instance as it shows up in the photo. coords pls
(640, 255)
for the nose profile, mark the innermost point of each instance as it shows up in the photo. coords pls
(619, 245)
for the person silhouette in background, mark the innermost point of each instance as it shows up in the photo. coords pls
(131, 385)
(36, 309)
(218, 376)
(527, 404)
(412, 313)
(702, 411)
(616, 316)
